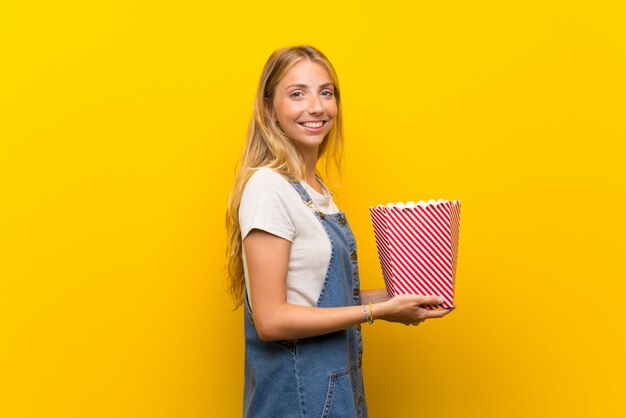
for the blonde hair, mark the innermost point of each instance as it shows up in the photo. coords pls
(268, 146)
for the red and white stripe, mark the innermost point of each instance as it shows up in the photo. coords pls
(418, 247)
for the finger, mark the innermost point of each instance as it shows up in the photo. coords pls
(426, 314)
(430, 300)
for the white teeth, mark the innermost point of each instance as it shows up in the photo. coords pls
(312, 124)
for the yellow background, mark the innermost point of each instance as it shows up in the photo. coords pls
(121, 123)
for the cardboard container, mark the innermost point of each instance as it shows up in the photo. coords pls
(417, 246)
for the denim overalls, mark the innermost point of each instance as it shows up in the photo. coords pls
(317, 376)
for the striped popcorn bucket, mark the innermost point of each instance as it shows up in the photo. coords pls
(417, 246)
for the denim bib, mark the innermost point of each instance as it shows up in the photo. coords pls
(316, 376)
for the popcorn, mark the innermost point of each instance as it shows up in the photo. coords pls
(417, 246)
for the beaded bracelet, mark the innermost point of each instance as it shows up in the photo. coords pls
(367, 317)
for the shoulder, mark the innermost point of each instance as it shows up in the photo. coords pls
(268, 203)
(268, 182)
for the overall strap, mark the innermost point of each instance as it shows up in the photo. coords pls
(306, 198)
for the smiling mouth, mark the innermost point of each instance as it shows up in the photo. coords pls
(316, 124)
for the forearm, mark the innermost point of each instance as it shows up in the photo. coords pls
(288, 322)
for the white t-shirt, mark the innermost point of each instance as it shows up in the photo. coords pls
(270, 203)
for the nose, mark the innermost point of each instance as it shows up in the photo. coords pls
(315, 105)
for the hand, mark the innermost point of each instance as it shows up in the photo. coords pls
(407, 309)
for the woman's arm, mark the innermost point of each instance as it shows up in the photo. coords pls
(267, 259)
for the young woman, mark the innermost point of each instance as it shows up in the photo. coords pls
(291, 255)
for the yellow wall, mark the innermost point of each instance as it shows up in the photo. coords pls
(121, 123)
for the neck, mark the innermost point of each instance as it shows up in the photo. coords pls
(309, 157)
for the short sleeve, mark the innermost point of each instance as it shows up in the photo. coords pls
(264, 205)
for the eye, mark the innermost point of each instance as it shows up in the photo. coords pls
(327, 93)
(296, 94)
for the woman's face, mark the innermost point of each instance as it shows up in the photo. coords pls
(305, 105)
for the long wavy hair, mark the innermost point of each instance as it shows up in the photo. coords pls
(268, 146)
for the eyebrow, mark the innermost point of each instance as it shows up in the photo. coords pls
(305, 86)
